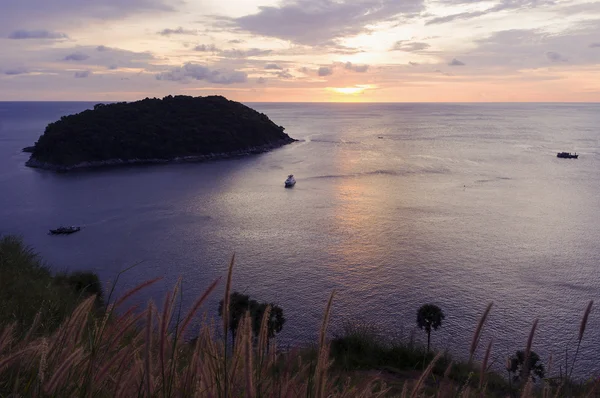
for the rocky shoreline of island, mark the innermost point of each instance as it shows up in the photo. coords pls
(35, 163)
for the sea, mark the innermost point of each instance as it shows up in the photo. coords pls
(395, 206)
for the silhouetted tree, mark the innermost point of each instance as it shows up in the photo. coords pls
(429, 317)
(275, 323)
(241, 303)
(516, 366)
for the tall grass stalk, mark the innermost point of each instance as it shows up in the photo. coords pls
(526, 368)
(478, 330)
(582, 327)
(483, 371)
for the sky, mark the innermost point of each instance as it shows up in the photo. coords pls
(301, 50)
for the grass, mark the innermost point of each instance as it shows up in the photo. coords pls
(72, 349)
(361, 348)
(27, 288)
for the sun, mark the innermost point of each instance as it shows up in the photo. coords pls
(348, 90)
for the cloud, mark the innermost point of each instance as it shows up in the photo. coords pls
(502, 6)
(285, 75)
(235, 41)
(206, 48)
(410, 46)
(453, 17)
(456, 62)
(15, 14)
(16, 71)
(325, 71)
(512, 37)
(103, 57)
(191, 71)
(37, 34)
(337, 48)
(252, 52)
(261, 80)
(177, 31)
(595, 45)
(518, 49)
(411, 63)
(356, 68)
(442, 72)
(82, 74)
(315, 22)
(555, 57)
(273, 66)
(76, 57)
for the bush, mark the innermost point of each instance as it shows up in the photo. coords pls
(27, 288)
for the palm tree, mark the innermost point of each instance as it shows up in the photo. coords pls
(429, 317)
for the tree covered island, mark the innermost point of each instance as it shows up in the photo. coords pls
(172, 129)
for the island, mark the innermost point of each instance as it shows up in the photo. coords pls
(173, 129)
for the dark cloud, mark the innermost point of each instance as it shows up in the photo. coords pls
(103, 48)
(76, 57)
(502, 6)
(410, 46)
(411, 63)
(235, 41)
(64, 13)
(16, 71)
(595, 45)
(316, 22)
(113, 67)
(285, 74)
(273, 66)
(252, 52)
(456, 62)
(37, 34)
(325, 71)
(191, 71)
(206, 48)
(261, 80)
(177, 31)
(356, 68)
(555, 57)
(82, 74)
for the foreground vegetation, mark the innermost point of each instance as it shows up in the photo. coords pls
(155, 129)
(112, 350)
(28, 291)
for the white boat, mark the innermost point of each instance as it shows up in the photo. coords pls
(290, 182)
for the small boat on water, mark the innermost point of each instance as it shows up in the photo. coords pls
(290, 182)
(567, 155)
(64, 230)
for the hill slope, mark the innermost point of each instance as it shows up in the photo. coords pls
(179, 128)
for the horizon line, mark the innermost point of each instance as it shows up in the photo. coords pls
(324, 102)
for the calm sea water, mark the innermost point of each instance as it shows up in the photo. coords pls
(455, 204)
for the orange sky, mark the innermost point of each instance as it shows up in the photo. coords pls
(302, 50)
